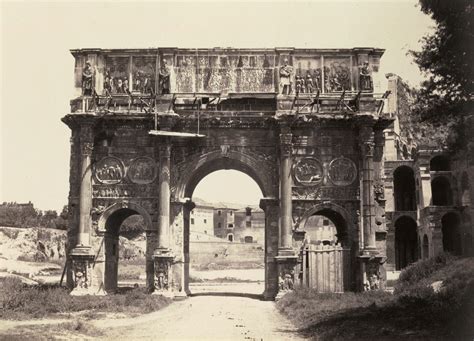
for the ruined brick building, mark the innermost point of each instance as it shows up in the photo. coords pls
(312, 127)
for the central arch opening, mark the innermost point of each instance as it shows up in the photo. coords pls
(227, 235)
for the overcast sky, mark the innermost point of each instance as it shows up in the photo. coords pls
(37, 68)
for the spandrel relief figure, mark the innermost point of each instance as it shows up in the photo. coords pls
(88, 80)
(285, 78)
(365, 77)
(165, 73)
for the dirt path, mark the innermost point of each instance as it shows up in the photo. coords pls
(205, 318)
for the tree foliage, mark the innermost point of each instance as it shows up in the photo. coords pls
(26, 215)
(446, 58)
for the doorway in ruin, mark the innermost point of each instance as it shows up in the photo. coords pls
(326, 252)
(124, 244)
(406, 242)
(227, 235)
(451, 230)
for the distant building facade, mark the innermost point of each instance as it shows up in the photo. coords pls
(202, 220)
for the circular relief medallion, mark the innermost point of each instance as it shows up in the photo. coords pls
(109, 170)
(142, 170)
(342, 171)
(308, 172)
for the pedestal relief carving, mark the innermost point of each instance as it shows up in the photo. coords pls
(109, 170)
(142, 170)
(342, 171)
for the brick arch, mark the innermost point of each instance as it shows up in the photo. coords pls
(196, 170)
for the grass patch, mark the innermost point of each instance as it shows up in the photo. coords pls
(77, 329)
(24, 302)
(415, 311)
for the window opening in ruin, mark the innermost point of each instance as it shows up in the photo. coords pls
(440, 163)
(441, 191)
(404, 189)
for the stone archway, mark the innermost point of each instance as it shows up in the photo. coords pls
(329, 265)
(196, 170)
(109, 225)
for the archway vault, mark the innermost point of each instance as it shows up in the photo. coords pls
(129, 208)
(338, 214)
(196, 169)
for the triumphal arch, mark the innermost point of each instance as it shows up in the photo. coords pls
(148, 124)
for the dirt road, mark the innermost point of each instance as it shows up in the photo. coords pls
(205, 318)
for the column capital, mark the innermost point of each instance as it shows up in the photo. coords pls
(285, 143)
(165, 150)
(367, 148)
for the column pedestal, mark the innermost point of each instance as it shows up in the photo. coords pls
(370, 268)
(82, 258)
(286, 273)
(163, 277)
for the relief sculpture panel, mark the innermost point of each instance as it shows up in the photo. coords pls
(337, 74)
(142, 170)
(216, 73)
(342, 171)
(308, 172)
(109, 170)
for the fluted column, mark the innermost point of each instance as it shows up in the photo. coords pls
(163, 256)
(368, 202)
(164, 202)
(285, 192)
(85, 200)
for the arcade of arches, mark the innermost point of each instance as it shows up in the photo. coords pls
(316, 148)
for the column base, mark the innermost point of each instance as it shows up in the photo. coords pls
(286, 252)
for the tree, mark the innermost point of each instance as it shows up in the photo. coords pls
(446, 58)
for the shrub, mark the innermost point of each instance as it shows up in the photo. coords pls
(20, 301)
(424, 268)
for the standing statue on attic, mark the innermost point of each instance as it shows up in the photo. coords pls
(285, 76)
(365, 77)
(88, 80)
(164, 81)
